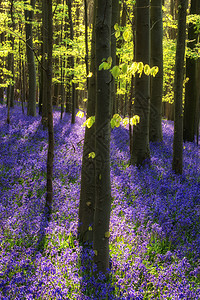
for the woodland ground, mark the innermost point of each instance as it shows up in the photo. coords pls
(155, 219)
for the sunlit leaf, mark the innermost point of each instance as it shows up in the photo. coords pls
(91, 155)
(115, 71)
(147, 69)
(80, 114)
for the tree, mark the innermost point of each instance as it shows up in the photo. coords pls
(102, 137)
(177, 163)
(115, 19)
(140, 149)
(191, 87)
(87, 195)
(155, 127)
(30, 58)
(48, 74)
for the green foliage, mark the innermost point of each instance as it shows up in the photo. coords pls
(89, 122)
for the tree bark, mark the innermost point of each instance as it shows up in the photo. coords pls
(140, 150)
(48, 74)
(115, 19)
(87, 196)
(155, 127)
(177, 163)
(102, 138)
(30, 59)
(191, 87)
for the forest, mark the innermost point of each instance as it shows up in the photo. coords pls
(99, 149)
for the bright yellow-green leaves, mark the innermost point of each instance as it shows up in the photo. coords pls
(89, 122)
(115, 71)
(126, 70)
(117, 120)
(80, 114)
(106, 65)
(91, 155)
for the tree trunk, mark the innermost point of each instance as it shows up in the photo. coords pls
(177, 163)
(102, 138)
(191, 88)
(140, 150)
(48, 74)
(115, 19)
(87, 196)
(30, 59)
(155, 127)
(44, 64)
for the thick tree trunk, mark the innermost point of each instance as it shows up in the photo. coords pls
(191, 88)
(30, 60)
(102, 138)
(87, 196)
(155, 127)
(140, 150)
(177, 163)
(48, 74)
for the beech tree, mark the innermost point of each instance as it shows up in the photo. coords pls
(48, 79)
(102, 137)
(87, 195)
(155, 127)
(177, 163)
(30, 58)
(191, 87)
(140, 149)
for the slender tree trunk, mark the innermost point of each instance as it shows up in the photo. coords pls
(30, 59)
(140, 150)
(115, 19)
(87, 196)
(86, 37)
(191, 88)
(73, 100)
(177, 163)
(48, 74)
(44, 64)
(155, 127)
(102, 138)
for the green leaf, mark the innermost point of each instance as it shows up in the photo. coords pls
(109, 60)
(80, 114)
(90, 121)
(135, 120)
(107, 234)
(116, 26)
(127, 35)
(147, 70)
(115, 71)
(140, 68)
(124, 68)
(117, 34)
(91, 155)
(154, 71)
(134, 68)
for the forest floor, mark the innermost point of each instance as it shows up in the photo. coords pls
(155, 218)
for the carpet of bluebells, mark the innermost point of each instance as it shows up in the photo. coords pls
(155, 219)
